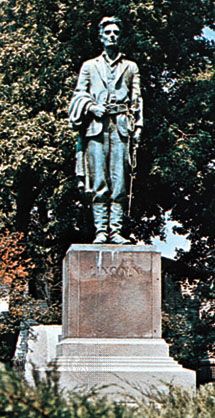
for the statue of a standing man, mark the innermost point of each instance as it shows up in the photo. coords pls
(107, 109)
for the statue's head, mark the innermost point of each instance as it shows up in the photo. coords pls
(109, 31)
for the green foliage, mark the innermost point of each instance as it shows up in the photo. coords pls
(188, 320)
(17, 399)
(179, 403)
(42, 45)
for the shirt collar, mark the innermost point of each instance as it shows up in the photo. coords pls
(109, 61)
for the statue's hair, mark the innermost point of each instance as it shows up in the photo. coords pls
(108, 21)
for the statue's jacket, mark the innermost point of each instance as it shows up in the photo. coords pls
(92, 88)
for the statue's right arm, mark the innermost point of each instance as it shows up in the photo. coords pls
(83, 85)
(81, 99)
(83, 82)
(82, 102)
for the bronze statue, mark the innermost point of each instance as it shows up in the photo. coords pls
(106, 108)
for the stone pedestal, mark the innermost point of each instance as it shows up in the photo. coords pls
(111, 292)
(112, 321)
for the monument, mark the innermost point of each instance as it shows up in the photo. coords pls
(112, 320)
(106, 108)
(111, 331)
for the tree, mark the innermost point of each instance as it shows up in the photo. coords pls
(14, 272)
(43, 44)
(15, 275)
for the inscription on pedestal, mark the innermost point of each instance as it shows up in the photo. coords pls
(111, 292)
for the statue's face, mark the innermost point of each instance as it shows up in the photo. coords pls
(110, 35)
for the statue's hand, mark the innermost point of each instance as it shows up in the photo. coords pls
(97, 110)
(137, 136)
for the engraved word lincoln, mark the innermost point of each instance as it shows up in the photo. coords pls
(106, 108)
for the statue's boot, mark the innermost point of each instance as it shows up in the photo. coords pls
(100, 214)
(116, 220)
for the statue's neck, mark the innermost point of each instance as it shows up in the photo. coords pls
(111, 53)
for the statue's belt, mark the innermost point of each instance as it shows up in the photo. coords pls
(114, 108)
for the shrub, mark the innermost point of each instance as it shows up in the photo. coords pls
(19, 400)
